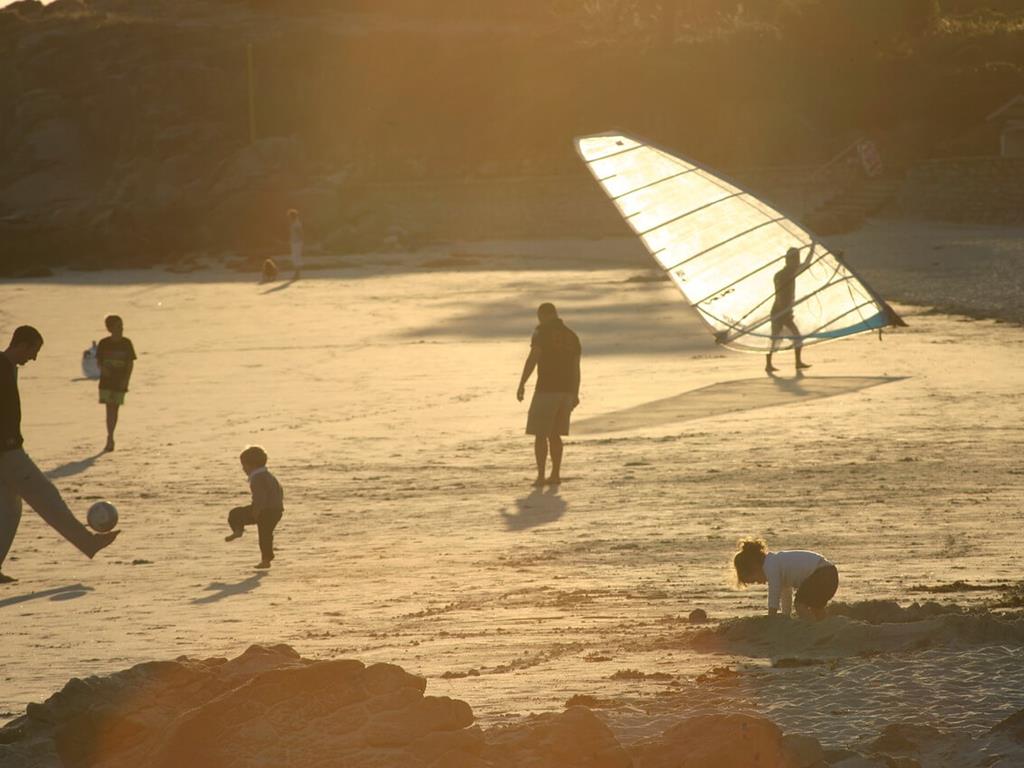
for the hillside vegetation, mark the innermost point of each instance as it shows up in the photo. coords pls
(125, 124)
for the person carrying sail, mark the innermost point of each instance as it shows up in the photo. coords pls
(782, 307)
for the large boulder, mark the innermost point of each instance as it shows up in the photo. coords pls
(715, 741)
(266, 707)
(575, 738)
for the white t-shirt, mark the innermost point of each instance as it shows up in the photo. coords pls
(785, 572)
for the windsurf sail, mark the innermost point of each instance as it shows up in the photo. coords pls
(723, 247)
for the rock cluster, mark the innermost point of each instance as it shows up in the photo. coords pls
(270, 707)
(265, 707)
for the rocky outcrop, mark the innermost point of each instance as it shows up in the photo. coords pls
(270, 707)
(266, 707)
(575, 738)
(724, 741)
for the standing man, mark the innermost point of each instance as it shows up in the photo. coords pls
(20, 478)
(782, 306)
(116, 357)
(555, 353)
(295, 237)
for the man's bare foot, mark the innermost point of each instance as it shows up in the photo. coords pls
(101, 541)
(262, 565)
(539, 482)
(769, 368)
(109, 446)
(554, 480)
(5, 579)
(233, 536)
(801, 366)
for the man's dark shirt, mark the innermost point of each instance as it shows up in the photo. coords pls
(115, 355)
(785, 289)
(558, 357)
(10, 406)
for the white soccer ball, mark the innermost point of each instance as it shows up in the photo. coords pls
(102, 516)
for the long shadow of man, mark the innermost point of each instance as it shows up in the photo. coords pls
(538, 508)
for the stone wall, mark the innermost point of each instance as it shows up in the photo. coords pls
(977, 190)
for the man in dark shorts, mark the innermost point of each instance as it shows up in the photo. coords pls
(20, 478)
(555, 353)
(782, 307)
(116, 357)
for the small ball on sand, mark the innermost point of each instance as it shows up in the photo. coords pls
(698, 616)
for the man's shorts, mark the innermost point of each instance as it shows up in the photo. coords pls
(549, 413)
(782, 322)
(111, 397)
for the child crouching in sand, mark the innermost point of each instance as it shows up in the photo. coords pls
(267, 503)
(813, 577)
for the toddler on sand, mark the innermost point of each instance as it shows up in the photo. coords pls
(267, 504)
(813, 577)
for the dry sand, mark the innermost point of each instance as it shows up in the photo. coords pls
(384, 395)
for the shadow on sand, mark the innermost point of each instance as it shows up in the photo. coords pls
(281, 287)
(67, 592)
(539, 508)
(221, 590)
(647, 320)
(727, 397)
(73, 467)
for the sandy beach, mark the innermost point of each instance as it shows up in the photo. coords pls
(384, 394)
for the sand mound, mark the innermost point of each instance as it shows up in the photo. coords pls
(861, 629)
(891, 612)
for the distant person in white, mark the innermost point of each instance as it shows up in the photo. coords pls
(295, 238)
(813, 577)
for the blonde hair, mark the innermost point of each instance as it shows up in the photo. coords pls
(748, 559)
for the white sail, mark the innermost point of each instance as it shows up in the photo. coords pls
(723, 247)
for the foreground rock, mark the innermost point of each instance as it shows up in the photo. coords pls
(727, 741)
(266, 707)
(270, 707)
(569, 739)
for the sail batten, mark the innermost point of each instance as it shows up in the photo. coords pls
(722, 247)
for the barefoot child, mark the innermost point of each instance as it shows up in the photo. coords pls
(116, 357)
(267, 503)
(813, 577)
